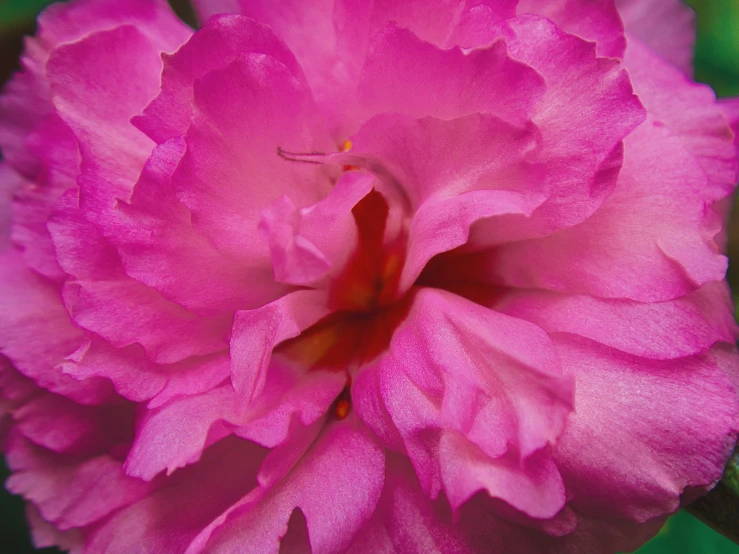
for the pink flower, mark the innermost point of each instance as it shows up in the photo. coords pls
(381, 276)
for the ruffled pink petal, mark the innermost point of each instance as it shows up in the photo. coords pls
(644, 430)
(126, 312)
(159, 247)
(289, 397)
(532, 486)
(437, 158)
(137, 378)
(343, 469)
(218, 43)
(441, 225)
(690, 112)
(125, 67)
(581, 148)
(406, 75)
(436, 377)
(61, 23)
(666, 26)
(169, 518)
(56, 148)
(175, 434)
(730, 108)
(307, 244)
(676, 328)
(61, 425)
(37, 333)
(256, 332)
(647, 243)
(594, 21)
(10, 183)
(44, 534)
(70, 492)
(245, 115)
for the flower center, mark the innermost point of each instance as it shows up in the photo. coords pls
(365, 303)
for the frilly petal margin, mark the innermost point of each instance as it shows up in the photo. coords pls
(432, 382)
(666, 26)
(344, 467)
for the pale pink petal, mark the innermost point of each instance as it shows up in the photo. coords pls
(61, 23)
(666, 26)
(596, 21)
(307, 244)
(125, 312)
(137, 378)
(175, 434)
(169, 518)
(37, 333)
(61, 425)
(437, 158)
(582, 146)
(404, 74)
(441, 225)
(256, 332)
(218, 43)
(690, 112)
(159, 247)
(642, 430)
(245, 115)
(61, 487)
(344, 467)
(125, 67)
(532, 486)
(436, 377)
(647, 243)
(44, 534)
(659, 330)
(56, 148)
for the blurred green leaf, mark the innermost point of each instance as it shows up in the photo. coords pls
(16, 13)
(683, 534)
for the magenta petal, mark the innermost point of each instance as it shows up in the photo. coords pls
(61, 23)
(44, 534)
(582, 158)
(691, 113)
(61, 425)
(112, 150)
(159, 247)
(175, 434)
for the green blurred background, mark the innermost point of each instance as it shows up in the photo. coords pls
(717, 63)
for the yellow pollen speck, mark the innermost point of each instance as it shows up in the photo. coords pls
(342, 408)
(346, 146)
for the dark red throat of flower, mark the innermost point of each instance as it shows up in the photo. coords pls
(365, 301)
